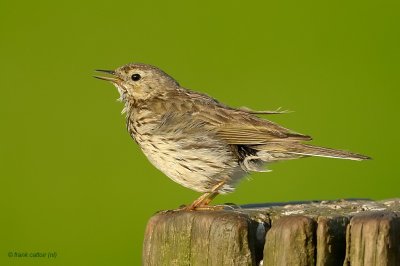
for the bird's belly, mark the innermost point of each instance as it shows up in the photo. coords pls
(192, 162)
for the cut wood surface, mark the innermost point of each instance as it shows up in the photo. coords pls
(343, 232)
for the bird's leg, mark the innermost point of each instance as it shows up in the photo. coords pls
(198, 202)
(203, 201)
(210, 197)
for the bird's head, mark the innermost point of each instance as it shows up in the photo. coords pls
(139, 81)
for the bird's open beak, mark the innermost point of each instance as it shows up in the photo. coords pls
(114, 78)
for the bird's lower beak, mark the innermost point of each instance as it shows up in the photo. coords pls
(114, 78)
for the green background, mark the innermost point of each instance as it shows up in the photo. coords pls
(72, 180)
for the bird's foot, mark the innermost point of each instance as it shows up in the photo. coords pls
(204, 207)
(209, 208)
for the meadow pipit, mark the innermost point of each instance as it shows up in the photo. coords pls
(199, 142)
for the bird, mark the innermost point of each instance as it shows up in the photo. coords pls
(199, 142)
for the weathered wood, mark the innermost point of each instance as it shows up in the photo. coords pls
(291, 241)
(200, 238)
(346, 232)
(374, 239)
(331, 240)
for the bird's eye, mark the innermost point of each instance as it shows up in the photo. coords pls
(135, 77)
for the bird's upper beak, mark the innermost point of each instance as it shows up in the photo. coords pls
(114, 78)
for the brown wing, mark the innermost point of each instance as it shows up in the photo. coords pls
(235, 126)
(252, 130)
(245, 135)
(241, 128)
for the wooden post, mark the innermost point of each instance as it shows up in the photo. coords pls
(345, 232)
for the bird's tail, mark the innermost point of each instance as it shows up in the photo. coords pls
(310, 150)
(296, 150)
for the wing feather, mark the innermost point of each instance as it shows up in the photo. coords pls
(243, 135)
(237, 126)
